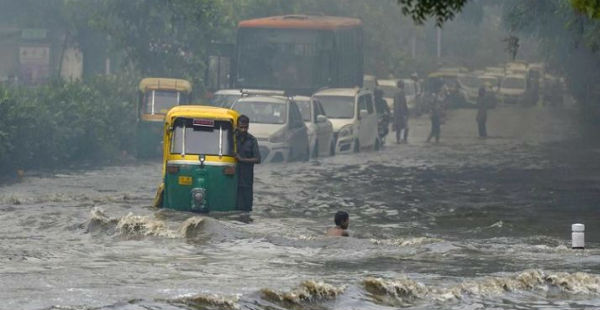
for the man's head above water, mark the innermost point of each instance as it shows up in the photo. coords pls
(342, 220)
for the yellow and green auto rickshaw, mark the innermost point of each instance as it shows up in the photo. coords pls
(156, 97)
(199, 165)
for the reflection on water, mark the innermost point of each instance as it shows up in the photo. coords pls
(464, 224)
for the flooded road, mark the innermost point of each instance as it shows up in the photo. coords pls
(462, 224)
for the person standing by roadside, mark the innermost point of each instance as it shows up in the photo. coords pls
(400, 114)
(247, 155)
(482, 106)
(435, 120)
(383, 114)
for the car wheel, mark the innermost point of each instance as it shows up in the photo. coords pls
(356, 146)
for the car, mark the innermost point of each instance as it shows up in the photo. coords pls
(225, 98)
(277, 124)
(470, 83)
(320, 128)
(513, 88)
(354, 118)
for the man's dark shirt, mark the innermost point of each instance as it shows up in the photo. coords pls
(247, 147)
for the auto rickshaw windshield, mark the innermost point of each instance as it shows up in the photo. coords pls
(210, 137)
(160, 101)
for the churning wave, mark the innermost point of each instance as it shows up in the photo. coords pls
(405, 291)
(307, 292)
(208, 302)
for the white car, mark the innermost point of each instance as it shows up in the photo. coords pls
(352, 113)
(277, 124)
(320, 128)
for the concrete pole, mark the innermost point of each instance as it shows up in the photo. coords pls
(439, 42)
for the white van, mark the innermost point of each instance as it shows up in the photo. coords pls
(354, 118)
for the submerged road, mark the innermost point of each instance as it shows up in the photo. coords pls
(463, 224)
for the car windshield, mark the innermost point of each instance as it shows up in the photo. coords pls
(263, 112)
(513, 83)
(160, 101)
(210, 138)
(224, 101)
(304, 106)
(337, 106)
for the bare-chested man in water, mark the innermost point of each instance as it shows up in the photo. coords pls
(342, 220)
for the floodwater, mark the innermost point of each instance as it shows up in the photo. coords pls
(463, 224)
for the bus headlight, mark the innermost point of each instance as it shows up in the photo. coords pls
(346, 131)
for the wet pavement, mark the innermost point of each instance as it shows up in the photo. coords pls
(466, 223)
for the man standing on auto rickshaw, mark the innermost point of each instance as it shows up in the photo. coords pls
(247, 155)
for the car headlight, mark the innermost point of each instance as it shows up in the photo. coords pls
(346, 131)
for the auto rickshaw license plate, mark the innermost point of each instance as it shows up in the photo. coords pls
(183, 180)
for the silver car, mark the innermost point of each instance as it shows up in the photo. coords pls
(320, 128)
(277, 124)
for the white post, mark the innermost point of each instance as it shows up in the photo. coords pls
(578, 236)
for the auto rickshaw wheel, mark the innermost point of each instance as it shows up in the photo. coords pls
(316, 150)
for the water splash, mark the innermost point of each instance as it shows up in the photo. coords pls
(405, 292)
(406, 241)
(399, 292)
(208, 302)
(308, 291)
(135, 226)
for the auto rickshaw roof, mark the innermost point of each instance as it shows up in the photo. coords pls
(201, 111)
(166, 84)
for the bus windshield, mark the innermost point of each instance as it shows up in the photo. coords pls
(337, 106)
(283, 58)
(160, 101)
(216, 139)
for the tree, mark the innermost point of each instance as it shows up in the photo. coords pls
(441, 10)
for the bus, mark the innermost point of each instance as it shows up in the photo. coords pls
(298, 53)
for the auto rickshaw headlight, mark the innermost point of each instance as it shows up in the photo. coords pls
(198, 195)
(173, 169)
(229, 170)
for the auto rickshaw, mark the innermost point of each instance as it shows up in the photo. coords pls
(156, 97)
(199, 165)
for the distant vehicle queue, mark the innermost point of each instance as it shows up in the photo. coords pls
(296, 83)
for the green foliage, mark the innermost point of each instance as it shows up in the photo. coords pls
(570, 42)
(589, 7)
(65, 123)
(441, 10)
